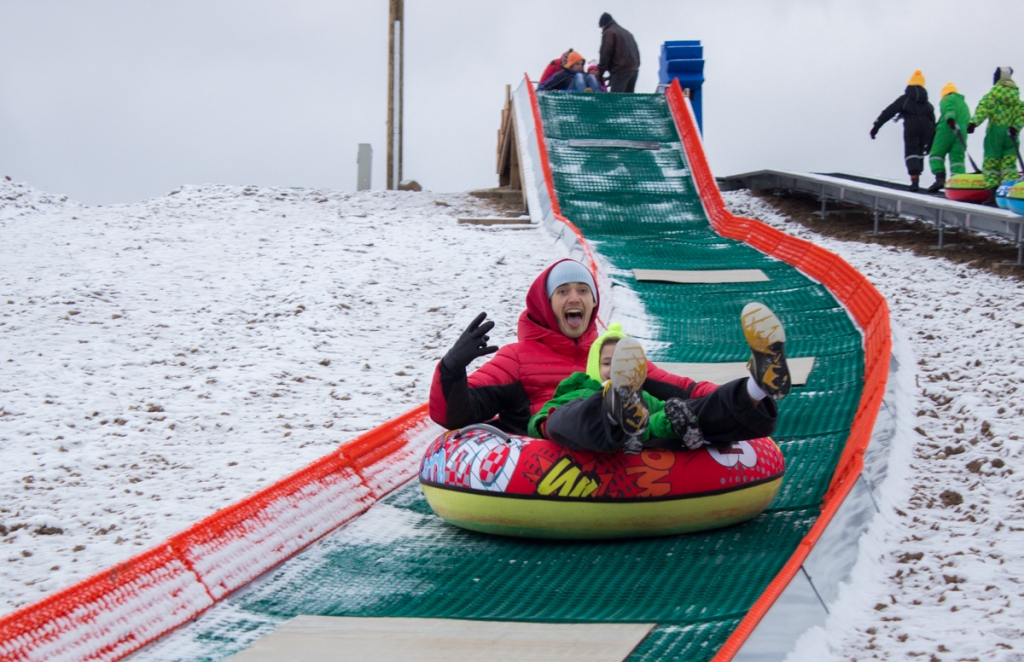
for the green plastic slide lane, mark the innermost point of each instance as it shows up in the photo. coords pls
(639, 209)
(451, 573)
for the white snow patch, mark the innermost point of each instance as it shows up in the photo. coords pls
(384, 524)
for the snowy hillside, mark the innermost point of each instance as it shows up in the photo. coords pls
(161, 360)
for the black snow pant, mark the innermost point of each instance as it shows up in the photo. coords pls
(918, 133)
(724, 416)
(624, 81)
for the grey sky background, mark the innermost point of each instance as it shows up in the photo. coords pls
(115, 101)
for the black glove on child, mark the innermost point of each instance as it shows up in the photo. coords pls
(1013, 132)
(971, 127)
(952, 123)
(471, 344)
(684, 423)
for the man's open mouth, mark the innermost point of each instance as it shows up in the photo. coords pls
(574, 317)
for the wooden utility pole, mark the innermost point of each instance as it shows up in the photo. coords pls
(396, 62)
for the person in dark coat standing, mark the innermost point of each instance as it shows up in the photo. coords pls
(619, 55)
(918, 126)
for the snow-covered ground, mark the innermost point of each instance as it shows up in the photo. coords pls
(940, 572)
(161, 360)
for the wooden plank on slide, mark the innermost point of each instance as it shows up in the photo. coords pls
(701, 276)
(323, 638)
(720, 373)
(617, 144)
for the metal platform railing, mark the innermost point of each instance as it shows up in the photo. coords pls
(944, 214)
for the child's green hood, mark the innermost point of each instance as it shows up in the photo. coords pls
(594, 358)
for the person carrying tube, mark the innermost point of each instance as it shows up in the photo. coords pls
(918, 117)
(954, 116)
(1002, 107)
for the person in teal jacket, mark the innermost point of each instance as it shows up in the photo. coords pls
(581, 385)
(1003, 109)
(954, 115)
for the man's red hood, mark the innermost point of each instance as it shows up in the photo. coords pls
(538, 320)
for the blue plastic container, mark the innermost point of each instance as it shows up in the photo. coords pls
(1002, 191)
(684, 61)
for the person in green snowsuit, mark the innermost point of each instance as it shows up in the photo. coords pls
(581, 385)
(1004, 111)
(954, 115)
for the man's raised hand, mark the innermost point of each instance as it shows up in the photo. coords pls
(471, 344)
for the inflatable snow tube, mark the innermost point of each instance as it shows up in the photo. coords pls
(481, 479)
(967, 188)
(1002, 191)
(1015, 198)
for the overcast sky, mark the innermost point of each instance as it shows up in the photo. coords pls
(117, 101)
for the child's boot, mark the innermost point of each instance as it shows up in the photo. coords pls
(623, 398)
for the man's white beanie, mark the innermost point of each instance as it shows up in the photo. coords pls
(569, 271)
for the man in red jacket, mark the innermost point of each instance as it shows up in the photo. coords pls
(555, 334)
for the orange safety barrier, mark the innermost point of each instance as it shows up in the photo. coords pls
(864, 303)
(121, 609)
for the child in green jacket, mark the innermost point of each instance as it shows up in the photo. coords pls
(581, 385)
(608, 408)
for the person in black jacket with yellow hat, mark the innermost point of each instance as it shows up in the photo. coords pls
(918, 117)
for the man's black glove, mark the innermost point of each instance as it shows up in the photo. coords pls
(952, 123)
(1013, 132)
(971, 127)
(470, 345)
(874, 132)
